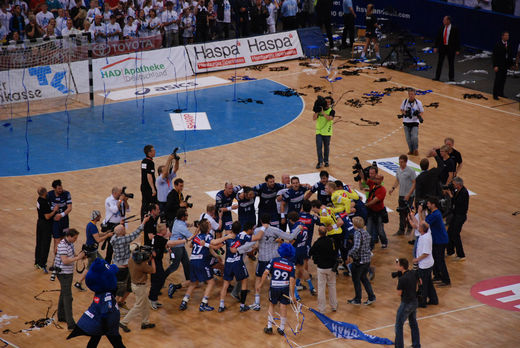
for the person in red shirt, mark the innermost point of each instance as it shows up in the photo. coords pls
(375, 204)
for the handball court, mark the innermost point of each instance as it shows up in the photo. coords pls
(486, 132)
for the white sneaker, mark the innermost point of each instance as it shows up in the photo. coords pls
(255, 307)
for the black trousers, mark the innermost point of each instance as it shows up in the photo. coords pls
(181, 256)
(440, 271)
(348, 22)
(157, 280)
(403, 214)
(326, 21)
(445, 52)
(43, 242)
(428, 290)
(147, 198)
(500, 82)
(359, 276)
(454, 230)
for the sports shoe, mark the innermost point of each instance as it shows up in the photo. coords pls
(280, 331)
(318, 166)
(326, 164)
(53, 276)
(204, 307)
(301, 287)
(147, 326)
(341, 268)
(221, 309)
(384, 246)
(354, 302)
(255, 307)
(124, 327)
(268, 330)
(183, 306)
(244, 308)
(369, 302)
(155, 305)
(78, 286)
(313, 292)
(171, 290)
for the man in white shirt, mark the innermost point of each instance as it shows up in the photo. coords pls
(424, 260)
(170, 21)
(98, 30)
(61, 21)
(5, 16)
(116, 206)
(113, 29)
(210, 216)
(44, 17)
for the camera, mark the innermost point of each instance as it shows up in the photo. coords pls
(320, 104)
(127, 194)
(142, 254)
(90, 250)
(358, 168)
(448, 187)
(189, 205)
(55, 269)
(422, 204)
(409, 114)
(396, 274)
(174, 154)
(405, 209)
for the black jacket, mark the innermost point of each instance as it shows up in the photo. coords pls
(173, 203)
(453, 39)
(427, 184)
(460, 202)
(323, 253)
(502, 57)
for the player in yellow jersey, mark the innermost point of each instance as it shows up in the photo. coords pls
(341, 199)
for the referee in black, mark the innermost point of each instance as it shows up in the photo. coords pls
(148, 189)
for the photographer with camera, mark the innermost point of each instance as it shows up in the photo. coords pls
(424, 262)
(116, 206)
(359, 257)
(412, 114)
(439, 238)
(121, 244)
(377, 214)
(64, 267)
(407, 289)
(150, 228)
(405, 179)
(94, 238)
(140, 265)
(174, 201)
(163, 182)
(323, 115)
(459, 208)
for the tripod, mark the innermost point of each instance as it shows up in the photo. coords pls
(400, 49)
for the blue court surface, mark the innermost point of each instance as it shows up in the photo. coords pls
(122, 135)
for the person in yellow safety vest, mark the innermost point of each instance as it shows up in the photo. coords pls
(341, 199)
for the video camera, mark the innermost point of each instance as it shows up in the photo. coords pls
(320, 104)
(90, 250)
(127, 194)
(142, 254)
(174, 154)
(358, 168)
(188, 204)
(409, 114)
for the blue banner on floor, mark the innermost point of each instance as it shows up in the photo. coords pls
(349, 331)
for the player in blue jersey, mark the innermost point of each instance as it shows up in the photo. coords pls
(234, 266)
(293, 197)
(246, 206)
(267, 192)
(300, 244)
(224, 203)
(200, 269)
(319, 187)
(309, 221)
(281, 270)
(60, 224)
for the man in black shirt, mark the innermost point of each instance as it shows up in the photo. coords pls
(148, 190)
(150, 228)
(446, 165)
(454, 154)
(43, 229)
(460, 203)
(174, 201)
(427, 182)
(324, 254)
(502, 57)
(407, 289)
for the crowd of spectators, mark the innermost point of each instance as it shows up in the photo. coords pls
(177, 21)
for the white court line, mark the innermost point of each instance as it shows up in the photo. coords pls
(392, 325)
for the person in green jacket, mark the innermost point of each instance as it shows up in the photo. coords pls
(324, 132)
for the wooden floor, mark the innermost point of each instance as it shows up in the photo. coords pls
(485, 133)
